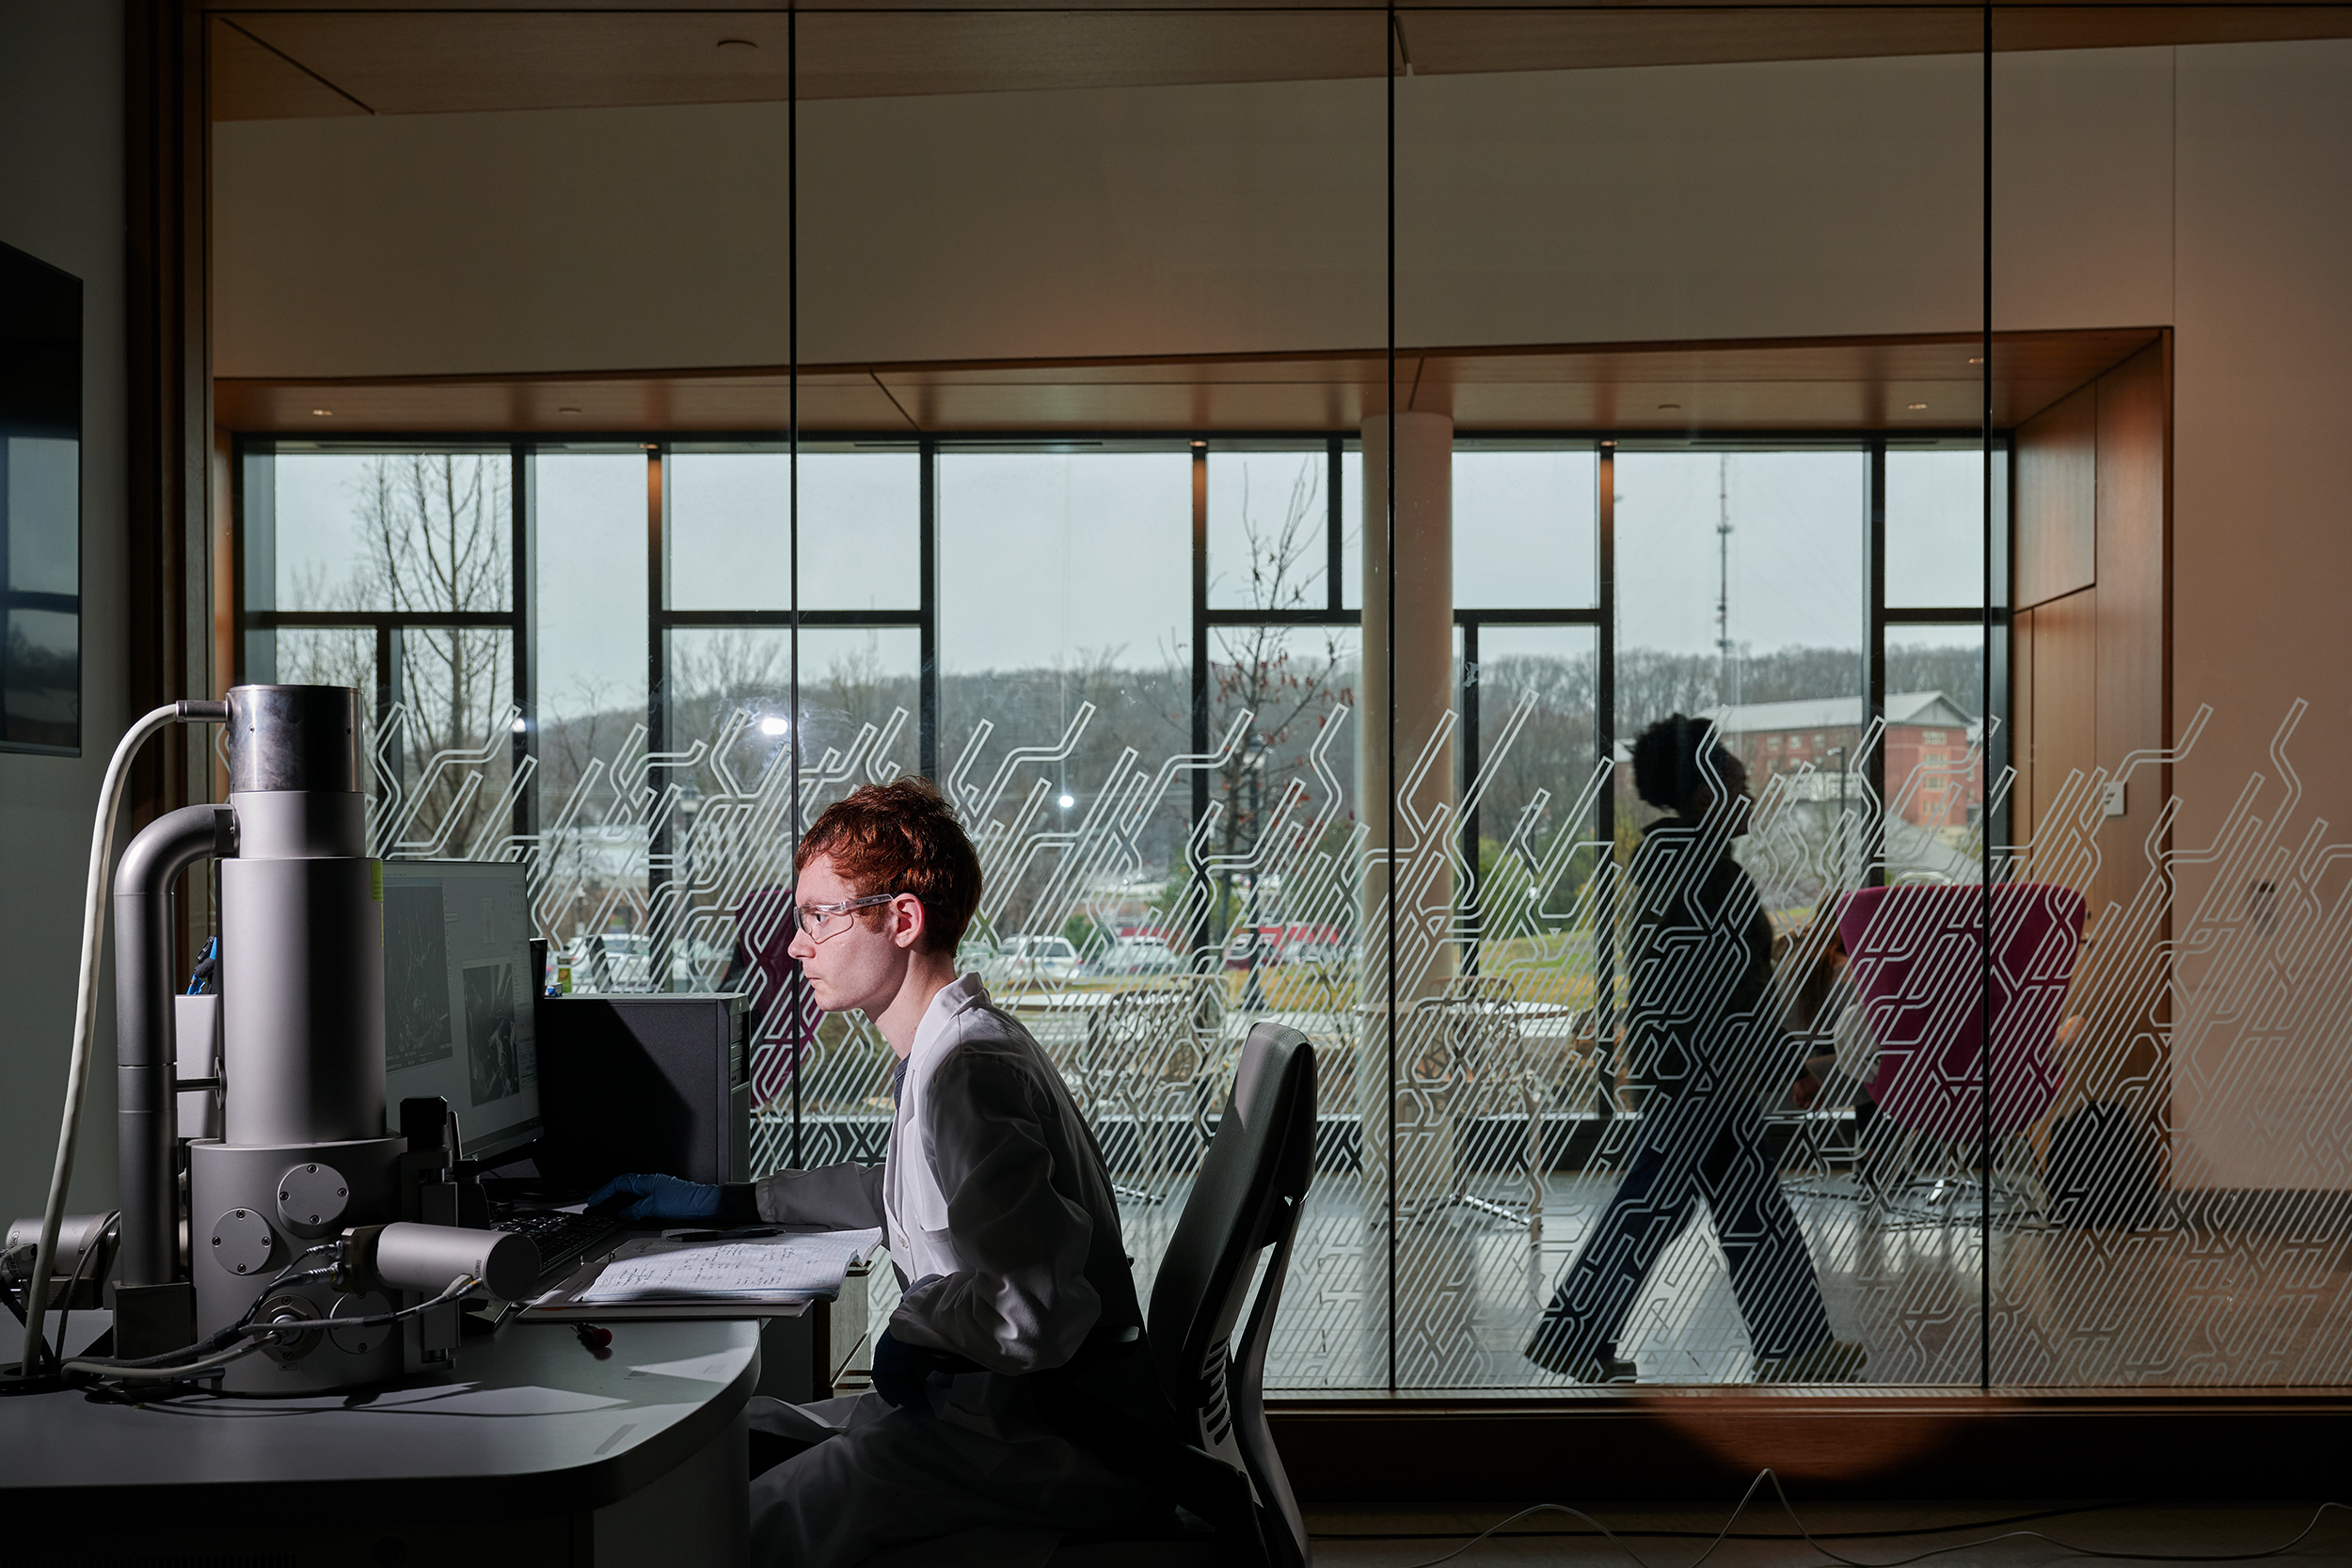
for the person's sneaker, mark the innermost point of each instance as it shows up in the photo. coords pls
(1604, 1367)
(1607, 1369)
(1831, 1361)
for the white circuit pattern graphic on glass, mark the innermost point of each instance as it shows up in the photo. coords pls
(2183, 1040)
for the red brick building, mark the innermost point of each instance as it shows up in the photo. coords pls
(1931, 777)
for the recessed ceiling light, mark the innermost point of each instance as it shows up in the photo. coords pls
(1664, 406)
(1977, 360)
(568, 410)
(739, 43)
(1918, 406)
(323, 413)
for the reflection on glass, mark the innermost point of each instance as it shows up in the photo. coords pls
(41, 703)
(1934, 525)
(41, 513)
(40, 505)
(729, 534)
(1523, 528)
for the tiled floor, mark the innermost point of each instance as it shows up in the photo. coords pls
(1869, 1533)
(2184, 1303)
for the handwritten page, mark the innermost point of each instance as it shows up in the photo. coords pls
(769, 1269)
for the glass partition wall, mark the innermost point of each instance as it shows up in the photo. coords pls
(1307, 652)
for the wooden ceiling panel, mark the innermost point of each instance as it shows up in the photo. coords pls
(1850, 385)
(556, 406)
(448, 62)
(1205, 405)
(2119, 25)
(1840, 385)
(274, 63)
(1445, 43)
(252, 81)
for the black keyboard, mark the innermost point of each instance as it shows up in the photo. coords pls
(563, 1239)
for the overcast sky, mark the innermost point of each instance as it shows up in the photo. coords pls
(1050, 558)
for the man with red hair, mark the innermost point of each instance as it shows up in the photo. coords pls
(1001, 1223)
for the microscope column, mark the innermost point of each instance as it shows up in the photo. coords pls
(304, 1154)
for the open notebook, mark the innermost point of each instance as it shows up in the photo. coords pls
(712, 1276)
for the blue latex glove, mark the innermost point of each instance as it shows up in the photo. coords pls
(902, 1371)
(655, 1198)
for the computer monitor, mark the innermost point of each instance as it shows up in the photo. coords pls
(458, 996)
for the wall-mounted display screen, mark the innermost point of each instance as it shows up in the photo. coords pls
(41, 506)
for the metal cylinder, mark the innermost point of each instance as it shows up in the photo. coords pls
(293, 737)
(250, 1220)
(426, 1257)
(302, 930)
(302, 1000)
(146, 1112)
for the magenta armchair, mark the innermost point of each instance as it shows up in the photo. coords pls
(1917, 958)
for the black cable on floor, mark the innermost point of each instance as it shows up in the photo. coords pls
(1746, 1535)
(1762, 1476)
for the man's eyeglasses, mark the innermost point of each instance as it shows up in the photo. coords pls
(830, 920)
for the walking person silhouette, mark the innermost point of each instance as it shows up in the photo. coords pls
(1701, 1032)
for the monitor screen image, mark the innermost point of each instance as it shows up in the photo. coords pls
(458, 998)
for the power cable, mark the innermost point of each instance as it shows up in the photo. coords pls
(1724, 1534)
(36, 1312)
(1736, 1535)
(222, 1348)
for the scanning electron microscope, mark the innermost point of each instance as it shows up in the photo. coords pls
(294, 1250)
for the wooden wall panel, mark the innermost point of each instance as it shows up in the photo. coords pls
(2021, 813)
(2065, 738)
(2131, 555)
(2091, 687)
(2057, 499)
(2119, 1058)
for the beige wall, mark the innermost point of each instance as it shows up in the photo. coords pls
(1746, 200)
(61, 200)
(2262, 560)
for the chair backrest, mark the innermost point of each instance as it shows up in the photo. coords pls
(1918, 958)
(762, 968)
(1247, 1198)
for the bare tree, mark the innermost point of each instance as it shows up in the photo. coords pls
(1287, 676)
(432, 534)
(435, 527)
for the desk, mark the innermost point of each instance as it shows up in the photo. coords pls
(533, 1451)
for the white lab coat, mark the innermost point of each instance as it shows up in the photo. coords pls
(1005, 1232)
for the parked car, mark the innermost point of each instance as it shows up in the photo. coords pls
(1037, 959)
(1136, 956)
(1283, 944)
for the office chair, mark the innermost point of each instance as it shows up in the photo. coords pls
(1918, 960)
(1489, 1069)
(1149, 1052)
(1221, 1465)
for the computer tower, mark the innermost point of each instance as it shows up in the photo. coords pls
(653, 1083)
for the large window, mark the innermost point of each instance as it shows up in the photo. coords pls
(1136, 667)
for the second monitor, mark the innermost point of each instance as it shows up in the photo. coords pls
(458, 995)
